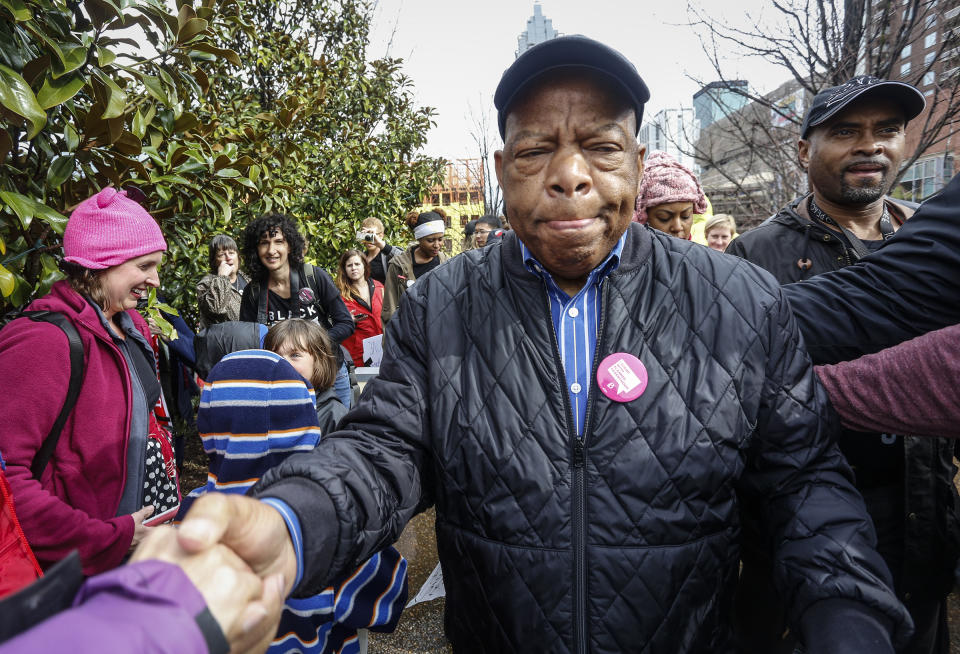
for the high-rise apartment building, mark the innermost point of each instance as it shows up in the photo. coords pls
(717, 100)
(539, 29)
(673, 131)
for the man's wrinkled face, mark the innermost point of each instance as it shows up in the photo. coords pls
(569, 170)
(853, 158)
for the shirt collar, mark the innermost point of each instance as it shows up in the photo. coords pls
(598, 274)
(126, 325)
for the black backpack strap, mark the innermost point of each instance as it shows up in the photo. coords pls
(296, 281)
(262, 297)
(43, 455)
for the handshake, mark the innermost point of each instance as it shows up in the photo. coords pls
(238, 553)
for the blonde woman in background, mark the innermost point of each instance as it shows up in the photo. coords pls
(719, 231)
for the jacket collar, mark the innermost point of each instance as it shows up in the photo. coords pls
(796, 214)
(637, 248)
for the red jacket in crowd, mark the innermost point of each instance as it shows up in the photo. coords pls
(367, 320)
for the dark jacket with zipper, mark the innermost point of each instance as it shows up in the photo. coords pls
(626, 540)
(781, 242)
(930, 527)
(906, 288)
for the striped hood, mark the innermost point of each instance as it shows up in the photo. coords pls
(255, 410)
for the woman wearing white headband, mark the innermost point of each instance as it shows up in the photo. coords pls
(417, 260)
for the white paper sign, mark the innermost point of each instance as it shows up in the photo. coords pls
(373, 350)
(432, 588)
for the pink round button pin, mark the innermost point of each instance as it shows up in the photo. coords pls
(622, 377)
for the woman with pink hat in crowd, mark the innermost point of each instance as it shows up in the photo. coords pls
(112, 466)
(669, 196)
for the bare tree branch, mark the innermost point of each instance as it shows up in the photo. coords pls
(748, 159)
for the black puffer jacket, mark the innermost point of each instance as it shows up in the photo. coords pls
(906, 288)
(628, 541)
(782, 241)
(930, 524)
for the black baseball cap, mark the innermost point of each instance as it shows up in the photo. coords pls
(563, 52)
(833, 100)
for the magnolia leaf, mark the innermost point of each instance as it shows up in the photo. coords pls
(71, 137)
(117, 98)
(70, 57)
(105, 56)
(21, 205)
(190, 29)
(202, 80)
(139, 125)
(3, 246)
(17, 96)
(55, 219)
(246, 182)
(60, 170)
(155, 88)
(185, 14)
(20, 13)
(129, 144)
(100, 11)
(58, 91)
(35, 68)
(224, 53)
(7, 282)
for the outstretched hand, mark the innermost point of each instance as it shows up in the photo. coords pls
(255, 531)
(246, 607)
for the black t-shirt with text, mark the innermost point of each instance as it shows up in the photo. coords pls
(279, 308)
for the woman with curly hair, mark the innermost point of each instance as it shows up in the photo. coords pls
(417, 260)
(282, 286)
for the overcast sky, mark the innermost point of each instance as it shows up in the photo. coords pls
(456, 51)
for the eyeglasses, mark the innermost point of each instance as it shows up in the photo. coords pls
(482, 231)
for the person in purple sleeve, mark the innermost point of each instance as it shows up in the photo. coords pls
(163, 602)
(868, 392)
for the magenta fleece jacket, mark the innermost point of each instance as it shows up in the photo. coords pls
(74, 504)
(907, 389)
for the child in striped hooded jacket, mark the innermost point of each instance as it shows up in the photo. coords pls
(255, 411)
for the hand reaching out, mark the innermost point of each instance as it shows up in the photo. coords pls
(246, 607)
(254, 531)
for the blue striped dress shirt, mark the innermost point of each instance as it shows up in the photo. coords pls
(576, 325)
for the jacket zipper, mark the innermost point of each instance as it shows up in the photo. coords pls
(579, 448)
(109, 342)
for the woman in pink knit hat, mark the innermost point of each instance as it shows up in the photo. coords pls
(111, 472)
(669, 195)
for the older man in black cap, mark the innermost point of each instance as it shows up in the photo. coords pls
(586, 403)
(852, 143)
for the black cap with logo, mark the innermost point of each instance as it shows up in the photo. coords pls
(563, 52)
(829, 102)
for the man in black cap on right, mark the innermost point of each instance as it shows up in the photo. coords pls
(852, 144)
(588, 404)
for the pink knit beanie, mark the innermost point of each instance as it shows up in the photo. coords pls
(109, 228)
(666, 180)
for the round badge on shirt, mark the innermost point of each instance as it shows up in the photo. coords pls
(622, 377)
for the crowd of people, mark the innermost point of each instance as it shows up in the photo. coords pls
(633, 441)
